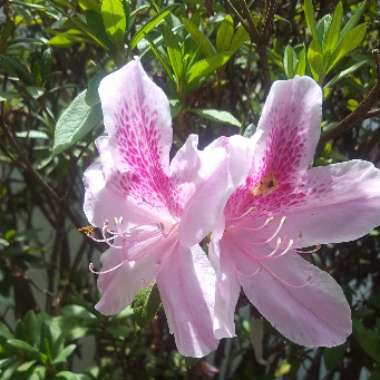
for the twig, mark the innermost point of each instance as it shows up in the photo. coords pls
(361, 113)
(259, 37)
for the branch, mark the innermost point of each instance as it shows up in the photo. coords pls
(361, 113)
(259, 37)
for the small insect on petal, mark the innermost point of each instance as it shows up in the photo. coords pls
(87, 230)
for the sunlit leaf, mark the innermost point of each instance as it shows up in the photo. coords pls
(76, 121)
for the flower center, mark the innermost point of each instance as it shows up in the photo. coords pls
(265, 186)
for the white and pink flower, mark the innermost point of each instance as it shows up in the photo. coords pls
(283, 207)
(153, 213)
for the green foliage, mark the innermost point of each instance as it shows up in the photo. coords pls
(76, 121)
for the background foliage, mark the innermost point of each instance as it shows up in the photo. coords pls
(216, 61)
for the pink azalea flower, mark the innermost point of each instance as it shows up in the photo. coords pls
(285, 206)
(153, 214)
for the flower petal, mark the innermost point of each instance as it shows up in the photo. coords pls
(290, 127)
(222, 171)
(227, 289)
(103, 203)
(186, 282)
(120, 286)
(342, 203)
(137, 120)
(302, 302)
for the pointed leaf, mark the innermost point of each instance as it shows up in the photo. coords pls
(223, 117)
(333, 33)
(351, 41)
(114, 20)
(150, 25)
(206, 66)
(76, 121)
(205, 45)
(224, 34)
(309, 15)
(146, 304)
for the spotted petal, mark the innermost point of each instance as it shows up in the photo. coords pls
(290, 127)
(138, 123)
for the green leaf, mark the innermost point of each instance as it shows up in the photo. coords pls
(240, 36)
(206, 66)
(67, 375)
(68, 38)
(92, 95)
(28, 328)
(4, 331)
(309, 15)
(75, 321)
(13, 66)
(146, 304)
(25, 366)
(114, 21)
(345, 73)
(354, 19)
(290, 61)
(223, 117)
(150, 25)
(96, 29)
(204, 44)
(323, 26)
(224, 34)
(369, 340)
(64, 354)
(38, 373)
(21, 345)
(351, 41)
(333, 33)
(76, 121)
(163, 59)
(301, 66)
(333, 356)
(315, 59)
(175, 54)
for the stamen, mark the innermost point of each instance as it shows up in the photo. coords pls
(279, 241)
(92, 270)
(276, 232)
(267, 221)
(250, 275)
(243, 215)
(286, 250)
(312, 250)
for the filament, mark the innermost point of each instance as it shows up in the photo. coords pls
(312, 250)
(92, 270)
(276, 232)
(267, 221)
(250, 275)
(279, 241)
(245, 213)
(286, 283)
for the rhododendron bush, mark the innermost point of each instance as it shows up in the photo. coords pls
(189, 190)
